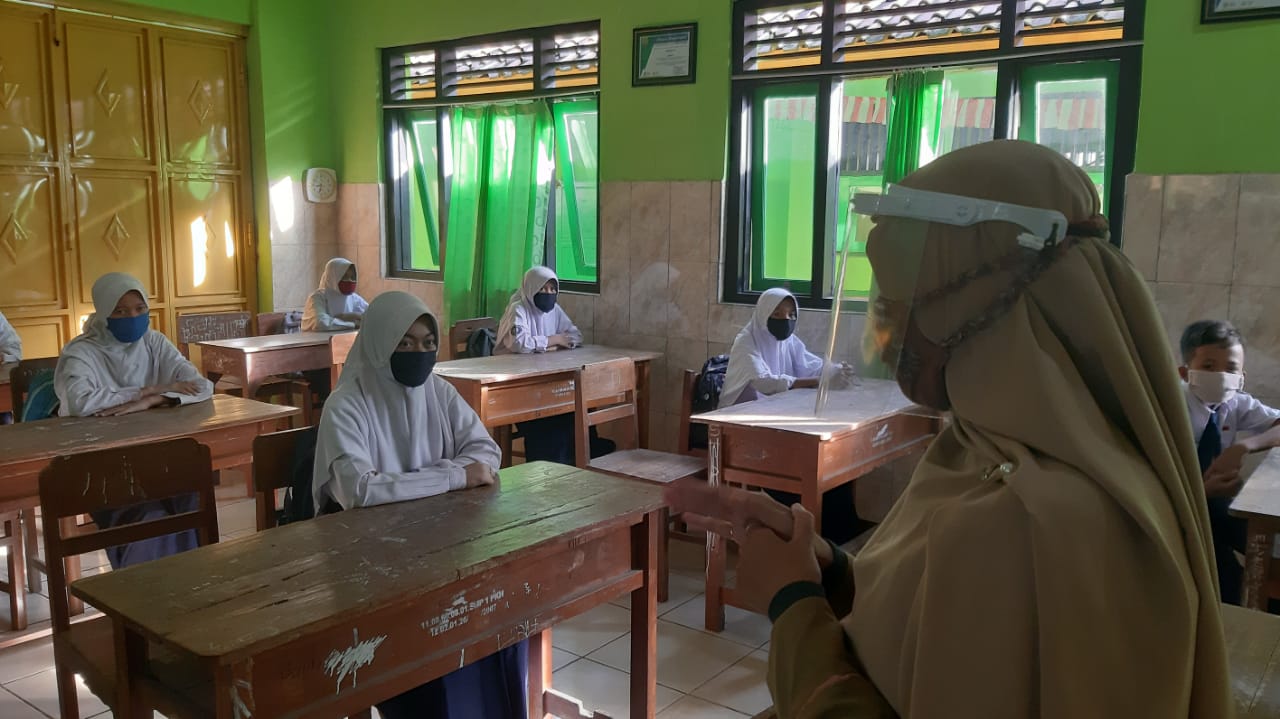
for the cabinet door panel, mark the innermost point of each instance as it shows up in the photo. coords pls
(207, 245)
(26, 128)
(108, 85)
(28, 239)
(201, 120)
(116, 229)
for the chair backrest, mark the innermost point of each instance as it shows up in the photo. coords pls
(210, 326)
(461, 332)
(78, 484)
(270, 323)
(273, 456)
(603, 392)
(20, 379)
(688, 385)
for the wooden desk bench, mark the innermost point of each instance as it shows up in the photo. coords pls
(251, 360)
(1259, 504)
(327, 617)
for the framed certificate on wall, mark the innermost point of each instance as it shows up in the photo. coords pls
(664, 55)
(1227, 10)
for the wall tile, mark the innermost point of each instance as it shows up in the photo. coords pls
(1181, 304)
(716, 348)
(580, 308)
(682, 355)
(1253, 310)
(1257, 253)
(688, 311)
(1143, 209)
(613, 309)
(650, 223)
(650, 298)
(690, 221)
(1198, 228)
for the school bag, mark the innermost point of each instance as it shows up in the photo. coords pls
(42, 401)
(481, 342)
(298, 504)
(706, 395)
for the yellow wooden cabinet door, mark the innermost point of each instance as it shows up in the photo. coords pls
(206, 246)
(26, 119)
(201, 115)
(109, 91)
(43, 336)
(28, 240)
(117, 229)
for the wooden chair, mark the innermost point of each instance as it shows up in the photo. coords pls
(269, 323)
(117, 478)
(606, 392)
(688, 386)
(461, 332)
(20, 380)
(273, 470)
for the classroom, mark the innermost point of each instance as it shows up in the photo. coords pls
(690, 359)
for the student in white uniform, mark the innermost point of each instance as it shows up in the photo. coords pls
(767, 358)
(10, 342)
(335, 306)
(393, 431)
(534, 321)
(119, 366)
(1213, 374)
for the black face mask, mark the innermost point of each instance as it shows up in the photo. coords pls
(545, 301)
(411, 369)
(781, 328)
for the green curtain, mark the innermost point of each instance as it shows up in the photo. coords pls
(499, 190)
(914, 98)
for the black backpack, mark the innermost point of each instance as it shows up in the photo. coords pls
(481, 342)
(298, 504)
(706, 395)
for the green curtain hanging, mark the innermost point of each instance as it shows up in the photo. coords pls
(913, 112)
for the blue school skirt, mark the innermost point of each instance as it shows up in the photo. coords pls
(127, 555)
(492, 688)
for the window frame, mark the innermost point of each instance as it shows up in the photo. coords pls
(397, 193)
(1010, 60)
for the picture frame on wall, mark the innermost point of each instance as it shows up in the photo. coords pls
(666, 55)
(1232, 10)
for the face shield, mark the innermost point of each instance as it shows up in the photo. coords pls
(887, 330)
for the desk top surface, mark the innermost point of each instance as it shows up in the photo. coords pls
(46, 439)
(792, 411)
(250, 594)
(499, 368)
(1260, 495)
(274, 342)
(1253, 652)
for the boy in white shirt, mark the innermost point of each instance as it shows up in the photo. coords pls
(1213, 369)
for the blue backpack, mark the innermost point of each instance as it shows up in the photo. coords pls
(42, 401)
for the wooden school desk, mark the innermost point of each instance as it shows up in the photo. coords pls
(226, 424)
(776, 443)
(6, 396)
(251, 360)
(1259, 504)
(1253, 655)
(505, 389)
(326, 617)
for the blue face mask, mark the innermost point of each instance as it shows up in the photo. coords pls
(129, 329)
(412, 369)
(545, 301)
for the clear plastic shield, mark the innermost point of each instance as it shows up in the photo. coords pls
(869, 324)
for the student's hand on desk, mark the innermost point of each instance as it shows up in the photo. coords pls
(480, 474)
(805, 383)
(767, 562)
(138, 405)
(182, 388)
(558, 341)
(1223, 479)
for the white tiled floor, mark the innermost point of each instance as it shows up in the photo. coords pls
(701, 675)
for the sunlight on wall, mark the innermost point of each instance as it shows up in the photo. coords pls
(282, 204)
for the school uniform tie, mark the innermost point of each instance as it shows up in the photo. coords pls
(1210, 443)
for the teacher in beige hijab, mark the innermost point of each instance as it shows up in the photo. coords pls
(1051, 554)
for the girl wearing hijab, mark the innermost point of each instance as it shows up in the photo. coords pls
(767, 357)
(1051, 556)
(393, 431)
(533, 321)
(335, 306)
(10, 342)
(120, 366)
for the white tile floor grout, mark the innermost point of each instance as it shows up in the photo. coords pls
(701, 674)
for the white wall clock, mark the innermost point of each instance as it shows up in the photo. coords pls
(321, 184)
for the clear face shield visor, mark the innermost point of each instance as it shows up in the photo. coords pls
(903, 223)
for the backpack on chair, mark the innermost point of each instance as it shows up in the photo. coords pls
(298, 502)
(706, 395)
(481, 343)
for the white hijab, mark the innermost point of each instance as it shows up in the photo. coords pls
(97, 371)
(540, 323)
(380, 425)
(757, 354)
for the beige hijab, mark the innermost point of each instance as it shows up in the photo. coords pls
(1079, 582)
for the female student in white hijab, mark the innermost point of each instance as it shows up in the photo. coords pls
(535, 322)
(768, 358)
(335, 306)
(10, 342)
(393, 431)
(118, 365)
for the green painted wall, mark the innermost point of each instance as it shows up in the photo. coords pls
(1209, 97)
(664, 133)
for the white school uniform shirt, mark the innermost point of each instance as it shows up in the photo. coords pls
(97, 371)
(525, 328)
(761, 365)
(380, 441)
(1241, 413)
(323, 306)
(10, 342)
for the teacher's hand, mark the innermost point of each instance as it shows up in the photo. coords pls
(767, 562)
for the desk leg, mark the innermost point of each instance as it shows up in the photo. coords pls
(1257, 552)
(716, 549)
(502, 435)
(131, 663)
(644, 618)
(539, 673)
(71, 566)
(642, 401)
